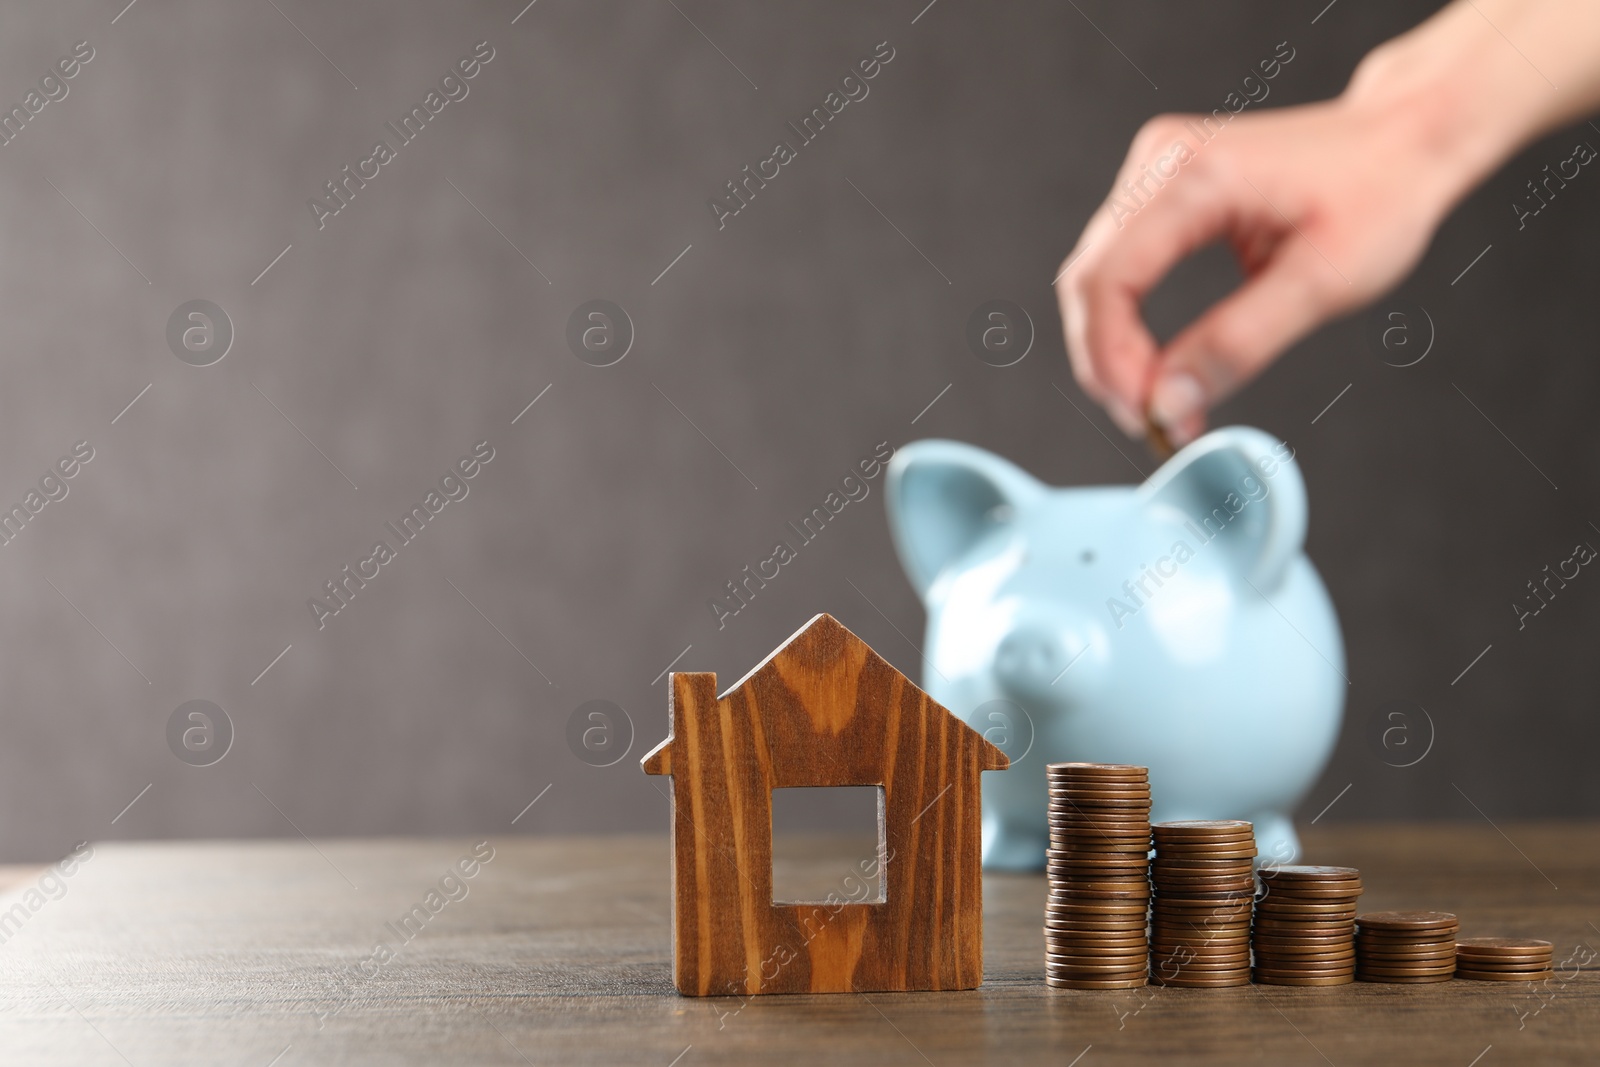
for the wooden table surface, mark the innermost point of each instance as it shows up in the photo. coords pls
(558, 953)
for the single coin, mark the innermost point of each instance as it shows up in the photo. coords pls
(1099, 891)
(1396, 948)
(1401, 972)
(1112, 882)
(1096, 968)
(1209, 974)
(1300, 952)
(1101, 838)
(1290, 947)
(1118, 970)
(1061, 814)
(1177, 831)
(1432, 948)
(1175, 857)
(1504, 957)
(1191, 933)
(1204, 913)
(1259, 972)
(1505, 976)
(1187, 956)
(1345, 979)
(1305, 963)
(1165, 924)
(1078, 983)
(1404, 957)
(1074, 948)
(1285, 927)
(1229, 940)
(1503, 965)
(1203, 921)
(1308, 872)
(1089, 787)
(1208, 953)
(1086, 767)
(1176, 942)
(1197, 865)
(1408, 920)
(1362, 976)
(1128, 936)
(1201, 899)
(1389, 937)
(1201, 983)
(1277, 906)
(1129, 835)
(1094, 847)
(1083, 787)
(1273, 892)
(1293, 948)
(1062, 928)
(1512, 946)
(1191, 841)
(1106, 938)
(1184, 960)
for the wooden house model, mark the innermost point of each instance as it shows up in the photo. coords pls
(824, 709)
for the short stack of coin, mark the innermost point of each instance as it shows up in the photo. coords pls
(1304, 931)
(1504, 959)
(1200, 916)
(1098, 874)
(1406, 946)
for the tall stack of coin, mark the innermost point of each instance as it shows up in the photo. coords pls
(1098, 873)
(1504, 959)
(1200, 918)
(1304, 931)
(1406, 946)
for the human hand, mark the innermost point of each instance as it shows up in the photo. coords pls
(1325, 206)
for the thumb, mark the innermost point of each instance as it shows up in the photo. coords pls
(1238, 337)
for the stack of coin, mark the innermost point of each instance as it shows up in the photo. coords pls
(1406, 946)
(1200, 918)
(1098, 873)
(1504, 959)
(1304, 932)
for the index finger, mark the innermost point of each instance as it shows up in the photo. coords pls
(1130, 244)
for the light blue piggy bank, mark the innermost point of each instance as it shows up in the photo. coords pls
(1175, 624)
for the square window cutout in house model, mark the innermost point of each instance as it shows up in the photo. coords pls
(823, 710)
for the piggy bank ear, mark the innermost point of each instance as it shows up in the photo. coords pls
(1242, 489)
(942, 497)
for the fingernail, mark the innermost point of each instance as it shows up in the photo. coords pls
(1123, 416)
(1177, 398)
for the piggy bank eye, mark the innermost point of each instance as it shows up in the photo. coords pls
(1088, 555)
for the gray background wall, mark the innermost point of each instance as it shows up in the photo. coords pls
(796, 339)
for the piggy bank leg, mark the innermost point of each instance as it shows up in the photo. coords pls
(1009, 844)
(1276, 841)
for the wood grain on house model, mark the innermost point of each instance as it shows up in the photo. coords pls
(823, 710)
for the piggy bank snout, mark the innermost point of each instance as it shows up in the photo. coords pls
(1038, 661)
